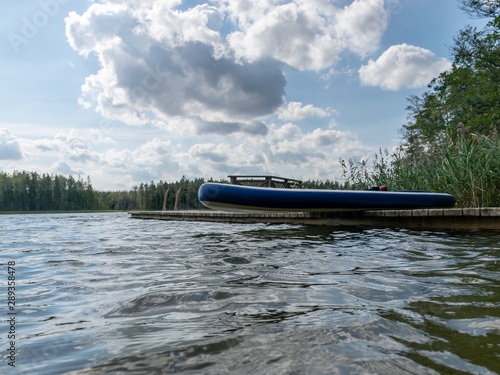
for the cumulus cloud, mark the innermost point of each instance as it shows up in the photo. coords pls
(360, 26)
(305, 149)
(293, 33)
(74, 146)
(157, 60)
(288, 132)
(226, 158)
(403, 66)
(214, 70)
(146, 163)
(307, 35)
(119, 168)
(285, 148)
(295, 111)
(9, 146)
(226, 128)
(63, 168)
(162, 62)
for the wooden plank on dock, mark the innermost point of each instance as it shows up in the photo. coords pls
(428, 219)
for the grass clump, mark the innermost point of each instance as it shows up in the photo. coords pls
(465, 165)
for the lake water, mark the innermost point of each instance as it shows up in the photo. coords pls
(107, 294)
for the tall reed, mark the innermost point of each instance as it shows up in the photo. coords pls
(465, 165)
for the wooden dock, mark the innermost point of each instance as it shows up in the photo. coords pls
(476, 219)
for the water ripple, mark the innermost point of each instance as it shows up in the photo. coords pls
(103, 293)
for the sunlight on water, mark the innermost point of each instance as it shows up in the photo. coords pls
(103, 293)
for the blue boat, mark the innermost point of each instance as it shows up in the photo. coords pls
(230, 197)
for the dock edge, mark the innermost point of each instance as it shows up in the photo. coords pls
(475, 219)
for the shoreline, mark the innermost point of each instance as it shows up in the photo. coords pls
(58, 212)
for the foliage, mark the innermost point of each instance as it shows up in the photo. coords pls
(450, 143)
(467, 166)
(469, 93)
(150, 196)
(28, 191)
(481, 8)
(319, 184)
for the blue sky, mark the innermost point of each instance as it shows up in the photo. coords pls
(129, 91)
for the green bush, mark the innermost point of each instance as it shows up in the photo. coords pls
(466, 166)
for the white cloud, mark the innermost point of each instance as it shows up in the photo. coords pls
(403, 66)
(293, 33)
(285, 150)
(9, 146)
(226, 128)
(295, 111)
(150, 161)
(148, 156)
(306, 149)
(172, 27)
(63, 168)
(287, 132)
(307, 35)
(210, 152)
(360, 26)
(163, 64)
(205, 73)
(119, 169)
(73, 146)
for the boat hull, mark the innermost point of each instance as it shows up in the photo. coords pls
(227, 197)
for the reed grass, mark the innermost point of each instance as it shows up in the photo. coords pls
(465, 165)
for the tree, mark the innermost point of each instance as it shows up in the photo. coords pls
(28, 191)
(467, 94)
(481, 8)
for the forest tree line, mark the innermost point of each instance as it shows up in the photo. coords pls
(30, 191)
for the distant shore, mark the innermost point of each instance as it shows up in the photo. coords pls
(58, 212)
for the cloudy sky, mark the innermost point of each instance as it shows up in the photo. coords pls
(130, 91)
